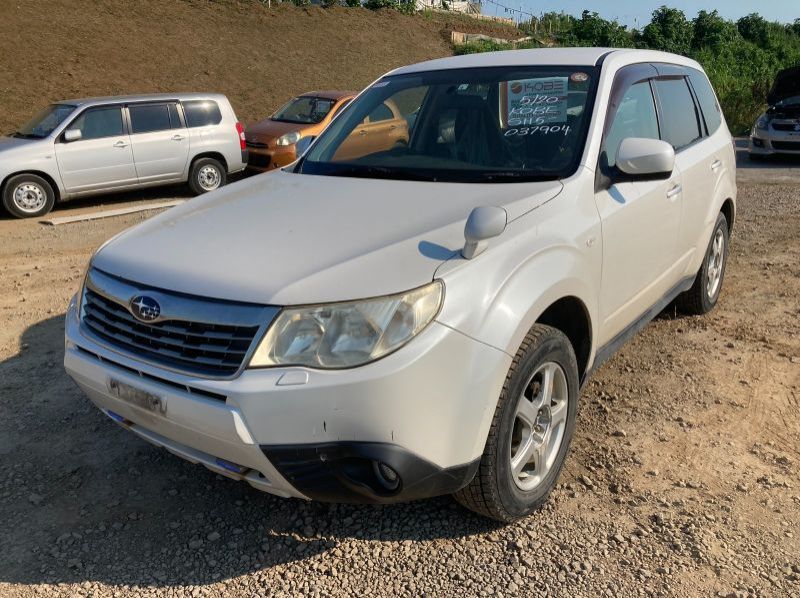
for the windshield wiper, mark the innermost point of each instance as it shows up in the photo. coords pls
(515, 175)
(19, 135)
(380, 172)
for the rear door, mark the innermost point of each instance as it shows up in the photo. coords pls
(683, 127)
(640, 219)
(102, 157)
(160, 141)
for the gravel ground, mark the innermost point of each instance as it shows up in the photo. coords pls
(683, 478)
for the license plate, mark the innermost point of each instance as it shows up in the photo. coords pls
(137, 396)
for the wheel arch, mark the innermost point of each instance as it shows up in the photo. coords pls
(47, 177)
(729, 210)
(215, 155)
(570, 315)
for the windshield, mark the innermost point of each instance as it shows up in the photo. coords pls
(45, 121)
(497, 124)
(304, 110)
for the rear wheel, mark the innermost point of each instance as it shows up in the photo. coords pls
(704, 294)
(531, 431)
(206, 174)
(28, 196)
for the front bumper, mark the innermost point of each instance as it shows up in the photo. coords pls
(423, 411)
(771, 142)
(263, 159)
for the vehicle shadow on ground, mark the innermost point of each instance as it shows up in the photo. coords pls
(85, 500)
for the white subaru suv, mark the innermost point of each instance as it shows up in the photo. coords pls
(76, 148)
(379, 325)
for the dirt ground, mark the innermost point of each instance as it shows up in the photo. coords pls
(259, 58)
(683, 478)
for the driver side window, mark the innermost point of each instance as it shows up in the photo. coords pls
(96, 123)
(635, 117)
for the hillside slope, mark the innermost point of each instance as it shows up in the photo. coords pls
(259, 57)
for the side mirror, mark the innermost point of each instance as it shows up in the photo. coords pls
(72, 135)
(484, 223)
(302, 145)
(642, 158)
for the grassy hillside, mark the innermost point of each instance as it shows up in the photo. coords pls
(259, 57)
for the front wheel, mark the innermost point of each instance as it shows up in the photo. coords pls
(531, 431)
(704, 294)
(206, 175)
(28, 196)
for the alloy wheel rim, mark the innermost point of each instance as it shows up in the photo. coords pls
(539, 423)
(29, 197)
(209, 178)
(715, 263)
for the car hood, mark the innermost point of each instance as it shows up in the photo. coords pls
(786, 85)
(10, 143)
(284, 239)
(266, 130)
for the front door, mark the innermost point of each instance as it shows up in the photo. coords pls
(640, 223)
(160, 141)
(102, 158)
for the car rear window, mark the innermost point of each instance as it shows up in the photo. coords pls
(201, 113)
(149, 117)
(680, 126)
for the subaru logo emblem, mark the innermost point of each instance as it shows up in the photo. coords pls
(145, 308)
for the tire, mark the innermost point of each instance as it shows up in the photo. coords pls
(206, 174)
(497, 491)
(28, 196)
(756, 157)
(704, 294)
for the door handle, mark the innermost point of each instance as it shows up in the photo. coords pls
(120, 144)
(362, 132)
(716, 164)
(675, 191)
(177, 138)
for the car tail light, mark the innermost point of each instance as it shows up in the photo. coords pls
(240, 131)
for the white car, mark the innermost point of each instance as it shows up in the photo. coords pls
(777, 131)
(379, 326)
(83, 147)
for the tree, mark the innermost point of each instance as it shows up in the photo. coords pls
(754, 28)
(668, 31)
(592, 30)
(712, 31)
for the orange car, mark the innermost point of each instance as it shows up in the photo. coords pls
(271, 142)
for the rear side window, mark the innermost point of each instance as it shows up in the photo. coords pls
(201, 113)
(707, 100)
(635, 117)
(96, 123)
(679, 124)
(149, 117)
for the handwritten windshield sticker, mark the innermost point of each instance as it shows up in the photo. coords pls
(579, 77)
(540, 101)
(541, 129)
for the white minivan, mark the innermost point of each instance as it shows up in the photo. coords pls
(378, 325)
(82, 147)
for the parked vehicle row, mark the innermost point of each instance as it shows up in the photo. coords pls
(414, 315)
(82, 147)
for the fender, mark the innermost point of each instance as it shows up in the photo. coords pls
(537, 265)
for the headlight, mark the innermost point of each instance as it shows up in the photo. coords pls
(81, 291)
(763, 122)
(288, 139)
(343, 335)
